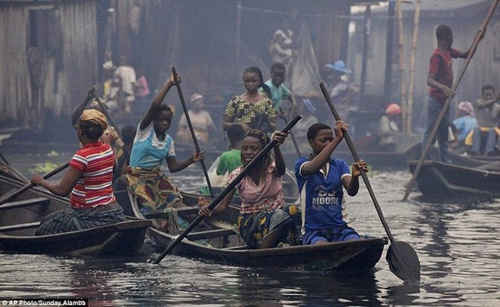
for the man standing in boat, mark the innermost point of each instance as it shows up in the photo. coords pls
(440, 81)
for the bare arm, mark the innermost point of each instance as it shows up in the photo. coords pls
(220, 208)
(148, 118)
(63, 187)
(431, 81)
(228, 121)
(278, 156)
(481, 103)
(174, 166)
(77, 112)
(351, 183)
(465, 54)
(293, 106)
(324, 156)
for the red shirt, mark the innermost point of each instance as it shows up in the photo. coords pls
(94, 188)
(442, 66)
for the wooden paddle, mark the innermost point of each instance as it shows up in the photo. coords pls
(226, 191)
(104, 110)
(30, 185)
(190, 125)
(291, 134)
(446, 105)
(402, 258)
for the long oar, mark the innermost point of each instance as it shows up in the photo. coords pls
(104, 110)
(291, 135)
(226, 191)
(402, 258)
(30, 185)
(193, 135)
(472, 50)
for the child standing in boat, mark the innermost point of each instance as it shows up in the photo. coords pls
(264, 220)
(279, 91)
(88, 179)
(320, 179)
(152, 144)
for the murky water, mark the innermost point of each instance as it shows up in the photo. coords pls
(457, 244)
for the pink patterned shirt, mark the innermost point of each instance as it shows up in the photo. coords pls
(267, 196)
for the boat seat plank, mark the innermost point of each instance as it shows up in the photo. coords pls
(25, 203)
(180, 212)
(208, 234)
(19, 226)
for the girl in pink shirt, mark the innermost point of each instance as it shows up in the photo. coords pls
(264, 219)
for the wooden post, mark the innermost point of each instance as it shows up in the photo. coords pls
(388, 52)
(416, 21)
(238, 36)
(402, 66)
(366, 33)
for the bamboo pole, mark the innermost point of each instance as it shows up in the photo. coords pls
(402, 81)
(411, 86)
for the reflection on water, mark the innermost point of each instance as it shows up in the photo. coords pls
(457, 245)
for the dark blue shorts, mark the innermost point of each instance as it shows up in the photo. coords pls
(330, 235)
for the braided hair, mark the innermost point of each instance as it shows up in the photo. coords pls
(256, 70)
(264, 140)
(161, 108)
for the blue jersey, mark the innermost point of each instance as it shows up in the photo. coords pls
(321, 196)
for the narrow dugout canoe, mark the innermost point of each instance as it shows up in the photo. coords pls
(20, 218)
(437, 180)
(218, 241)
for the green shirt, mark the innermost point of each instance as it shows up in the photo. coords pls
(229, 161)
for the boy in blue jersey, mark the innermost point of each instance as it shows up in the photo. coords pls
(320, 179)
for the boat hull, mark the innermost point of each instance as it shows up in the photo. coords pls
(444, 181)
(20, 217)
(229, 249)
(352, 256)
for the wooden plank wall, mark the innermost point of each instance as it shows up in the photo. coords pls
(79, 32)
(68, 68)
(14, 79)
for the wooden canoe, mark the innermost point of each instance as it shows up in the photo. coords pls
(217, 240)
(458, 158)
(437, 180)
(20, 218)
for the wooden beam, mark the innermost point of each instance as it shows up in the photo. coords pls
(25, 203)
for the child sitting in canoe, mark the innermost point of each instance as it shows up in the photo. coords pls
(264, 219)
(227, 162)
(321, 178)
(152, 144)
(88, 179)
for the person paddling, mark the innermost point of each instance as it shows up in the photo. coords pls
(320, 180)
(264, 219)
(88, 179)
(152, 144)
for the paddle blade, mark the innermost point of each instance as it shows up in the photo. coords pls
(403, 261)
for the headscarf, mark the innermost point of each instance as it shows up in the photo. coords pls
(94, 116)
(393, 108)
(467, 107)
